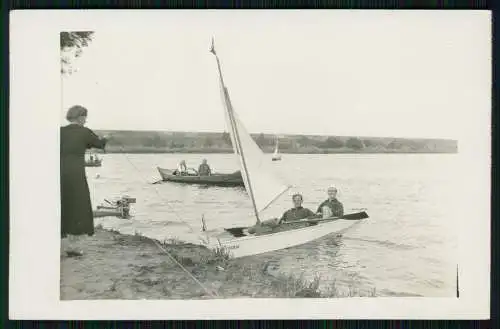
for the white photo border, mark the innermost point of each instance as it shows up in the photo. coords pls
(34, 187)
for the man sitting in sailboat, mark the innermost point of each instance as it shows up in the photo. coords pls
(297, 212)
(204, 169)
(294, 214)
(331, 206)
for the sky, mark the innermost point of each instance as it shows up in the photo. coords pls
(362, 73)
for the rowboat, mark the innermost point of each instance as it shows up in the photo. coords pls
(216, 179)
(94, 163)
(92, 160)
(264, 188)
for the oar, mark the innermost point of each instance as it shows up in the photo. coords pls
(109, 202)
(238, 231)
(354, 216)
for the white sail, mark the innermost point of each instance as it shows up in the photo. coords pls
(260, 182)
(276, 151)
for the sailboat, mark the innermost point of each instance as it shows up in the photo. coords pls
(276, 154)
(264, 188)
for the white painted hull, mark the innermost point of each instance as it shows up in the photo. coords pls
(254, 245)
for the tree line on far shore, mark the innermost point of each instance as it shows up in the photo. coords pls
(203, 142)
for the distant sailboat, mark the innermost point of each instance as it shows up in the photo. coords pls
(276, 154)
(264, 188)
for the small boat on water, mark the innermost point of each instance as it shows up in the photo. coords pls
(276, 154)
(264, 188)
(92, 160)
(216, 179)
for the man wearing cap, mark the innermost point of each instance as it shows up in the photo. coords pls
(204, 169)
(334, 206)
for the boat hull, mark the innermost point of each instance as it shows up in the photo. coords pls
(254, 245)
(224, 180)
(106, 213)
(93, 164)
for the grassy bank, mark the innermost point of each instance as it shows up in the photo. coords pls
(118, 266)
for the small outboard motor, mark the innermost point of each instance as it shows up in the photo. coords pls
(119, 208)
(124, 206)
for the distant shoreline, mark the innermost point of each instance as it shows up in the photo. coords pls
(209, 151)
(137, 150)
(146, 142)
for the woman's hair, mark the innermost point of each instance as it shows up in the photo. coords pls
(75, 112)
(297, 194)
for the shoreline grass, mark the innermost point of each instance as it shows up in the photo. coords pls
(120, 266)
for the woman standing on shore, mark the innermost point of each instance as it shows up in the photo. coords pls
(76, 209)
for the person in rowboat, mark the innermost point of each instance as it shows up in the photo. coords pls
(181, 168)
(331, 207)
(204, 169)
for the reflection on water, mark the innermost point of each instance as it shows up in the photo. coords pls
(405, 248)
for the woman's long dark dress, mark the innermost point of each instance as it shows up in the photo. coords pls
(76, 208)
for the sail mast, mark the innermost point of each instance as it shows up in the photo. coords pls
(235, 133)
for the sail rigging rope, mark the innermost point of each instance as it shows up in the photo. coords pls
(157, 191)
(210, 293)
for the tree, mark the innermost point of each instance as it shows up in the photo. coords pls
(261, 140)
(304, 141)
(72, 45)
(395, 144)
(369, 143)
(333, 143)
(147, 141)
(173, 144)
(354, 143)
(208, 142)
(158, 141)
(226, 138)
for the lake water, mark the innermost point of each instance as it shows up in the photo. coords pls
(407, 247)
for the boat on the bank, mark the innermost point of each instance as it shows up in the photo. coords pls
(118, 208)
(264, 188)
(215, 179)
(92, 160)
(301, 232)
(276, 154)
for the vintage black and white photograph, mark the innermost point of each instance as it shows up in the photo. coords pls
(211, 155)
